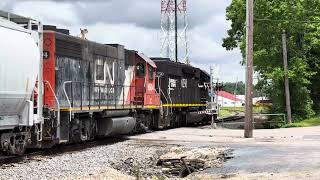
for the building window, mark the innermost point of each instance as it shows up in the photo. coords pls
(140, 70)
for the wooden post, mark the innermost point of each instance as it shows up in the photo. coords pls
(248, 128)
(286, 78)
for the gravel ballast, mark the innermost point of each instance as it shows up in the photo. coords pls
(88, 162)
(131, 159)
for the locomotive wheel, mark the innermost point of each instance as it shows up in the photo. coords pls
(20, 149)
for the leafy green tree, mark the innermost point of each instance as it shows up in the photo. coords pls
(301, 21)
(234, 87)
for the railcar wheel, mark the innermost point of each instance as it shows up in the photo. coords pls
(15, 143)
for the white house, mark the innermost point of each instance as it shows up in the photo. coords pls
(256, 99)
(242, 97)
(226, 99)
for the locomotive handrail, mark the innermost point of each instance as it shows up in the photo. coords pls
(165, 99)
(170, 99)
(118, 101)
(65, 93)
(161, 92)
(58, 106)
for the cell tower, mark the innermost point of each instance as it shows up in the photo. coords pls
(174, 26)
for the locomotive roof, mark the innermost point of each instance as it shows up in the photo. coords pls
(168, 61)
(78, 39)
(14, 17)
(99, 48)
(67, 42)
(175, 68)
(147, 59)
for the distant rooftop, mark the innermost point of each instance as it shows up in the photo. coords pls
(228, 95)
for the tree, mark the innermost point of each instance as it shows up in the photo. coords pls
(237, 87)
(301, 20)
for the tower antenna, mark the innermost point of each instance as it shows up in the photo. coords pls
(174, 26)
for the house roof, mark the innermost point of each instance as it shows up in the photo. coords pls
(228, 95)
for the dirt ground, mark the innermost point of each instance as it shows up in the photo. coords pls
(272, 153)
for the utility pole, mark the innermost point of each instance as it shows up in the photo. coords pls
(248, 128)
(286, 78)
(235, 94)
(176, 28)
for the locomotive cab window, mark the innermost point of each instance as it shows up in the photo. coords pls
(99, 71)
(151, 71)
(140, 70)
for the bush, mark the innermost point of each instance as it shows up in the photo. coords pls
(292, 125)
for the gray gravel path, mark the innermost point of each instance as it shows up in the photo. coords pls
(85, 163)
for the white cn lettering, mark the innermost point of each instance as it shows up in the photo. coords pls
(109, 74)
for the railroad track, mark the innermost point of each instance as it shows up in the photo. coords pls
(231, 118)
(41, 154)
(37, 154)
(8, 160)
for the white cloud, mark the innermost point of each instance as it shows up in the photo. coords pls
(206, 49)
(47, 11)
(133, 37)
(3, 3)
(202, 10)
(135, 25)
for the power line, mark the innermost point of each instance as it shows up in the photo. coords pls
(283, 20)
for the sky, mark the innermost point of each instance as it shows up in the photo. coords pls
(136, 25)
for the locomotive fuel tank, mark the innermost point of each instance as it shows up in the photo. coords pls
(116, 126)
(19, 68)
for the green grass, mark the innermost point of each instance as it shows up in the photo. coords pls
(225, 113)
(260, 109)
(315, 121)
(242, 109)
(229, 111)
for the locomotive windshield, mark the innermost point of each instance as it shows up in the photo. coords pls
(140, 70)
(150, 69)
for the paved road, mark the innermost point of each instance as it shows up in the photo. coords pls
(279, 153)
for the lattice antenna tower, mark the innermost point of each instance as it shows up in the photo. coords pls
(174, 27)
